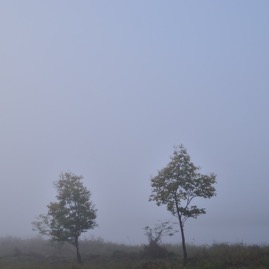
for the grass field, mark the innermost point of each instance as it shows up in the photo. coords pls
(38, 253)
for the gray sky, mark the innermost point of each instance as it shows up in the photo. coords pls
(107, 88)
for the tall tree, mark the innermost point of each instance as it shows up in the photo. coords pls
(177, 184)
(71, 215)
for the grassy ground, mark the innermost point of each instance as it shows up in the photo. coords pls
(97, 254)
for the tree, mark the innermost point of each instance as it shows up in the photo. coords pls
(71, 215)
(177, 184)
(154, 249)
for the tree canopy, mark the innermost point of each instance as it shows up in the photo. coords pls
(177, 184)
(72, 214)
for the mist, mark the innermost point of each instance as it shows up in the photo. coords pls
(106, 89)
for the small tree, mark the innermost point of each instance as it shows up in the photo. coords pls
(177, 184)
(155, 235)
(71, 215)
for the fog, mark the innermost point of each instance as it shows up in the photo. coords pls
(106, 89)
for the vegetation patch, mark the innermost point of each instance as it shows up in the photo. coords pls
(39, 253)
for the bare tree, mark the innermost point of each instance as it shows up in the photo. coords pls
(155, 235)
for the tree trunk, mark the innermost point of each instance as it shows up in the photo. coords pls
(185, 256)
(183, 241)
(77, 248)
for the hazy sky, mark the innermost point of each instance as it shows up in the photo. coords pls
(106, 89)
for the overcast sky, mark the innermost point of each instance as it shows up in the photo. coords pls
(106, 89)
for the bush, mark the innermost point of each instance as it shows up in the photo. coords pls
(155, 251)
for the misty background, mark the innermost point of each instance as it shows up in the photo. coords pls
(106, 89)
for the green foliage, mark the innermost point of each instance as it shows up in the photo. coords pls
(71, 215)
(177, 184)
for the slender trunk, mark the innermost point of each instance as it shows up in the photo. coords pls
(185, 256)
(77, 248)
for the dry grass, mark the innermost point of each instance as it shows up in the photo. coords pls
(97, 254)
